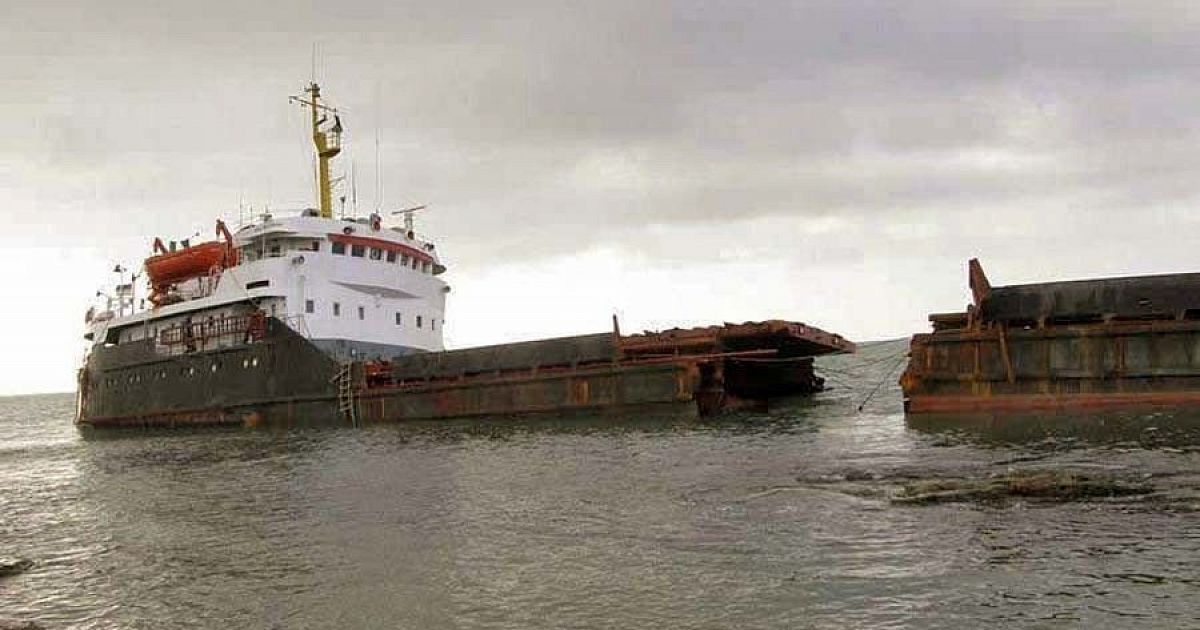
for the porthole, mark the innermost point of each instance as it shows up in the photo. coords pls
(191, 371)
(213, 367)
(254, 362)
(245, 363)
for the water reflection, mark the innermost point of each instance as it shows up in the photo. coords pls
(1152, 429)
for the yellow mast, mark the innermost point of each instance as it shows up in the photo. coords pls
(327, 142)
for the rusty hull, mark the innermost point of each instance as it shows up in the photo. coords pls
(596, 387)
(1121, 342)
(789, 339)
(715, 368)
(283, 379)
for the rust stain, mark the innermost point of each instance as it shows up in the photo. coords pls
(1086, 344)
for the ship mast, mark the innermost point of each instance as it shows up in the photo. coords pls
(328, 143)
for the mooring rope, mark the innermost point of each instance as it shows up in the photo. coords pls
(886, 376)
(886, 357)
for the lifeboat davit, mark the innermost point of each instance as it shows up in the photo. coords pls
(167, 268)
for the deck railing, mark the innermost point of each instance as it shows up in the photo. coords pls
(196, 334)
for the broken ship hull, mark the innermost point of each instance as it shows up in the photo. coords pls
(279, 377)
(1095, 344)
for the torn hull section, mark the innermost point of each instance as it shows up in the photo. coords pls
(1113, 343)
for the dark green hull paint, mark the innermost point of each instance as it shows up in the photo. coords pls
(131, 384)
(293, 384)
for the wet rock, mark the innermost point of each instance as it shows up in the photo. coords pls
(863, 475)
(8, 624)
(1045, 485)
(13, 567)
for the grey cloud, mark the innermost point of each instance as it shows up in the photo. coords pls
(539, 128)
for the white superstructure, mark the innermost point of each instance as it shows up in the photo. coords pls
(354, 287)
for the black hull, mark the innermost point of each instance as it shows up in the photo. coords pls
(279, 379)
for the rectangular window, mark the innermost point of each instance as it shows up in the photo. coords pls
(258, 284)
(425, 266)
(357, 251)
(337, 309)
(432, 324)
(391, 256)
(404, 260)
(339, 248)
(418, 321)
(399, 318)
(314, 246)
(362, 313)
(376, 253)
(309, 306)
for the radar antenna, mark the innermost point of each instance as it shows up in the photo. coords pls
(408, 218)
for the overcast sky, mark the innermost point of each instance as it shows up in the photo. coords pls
(678, 163)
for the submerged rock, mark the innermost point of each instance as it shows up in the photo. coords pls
(1047, 485)
(13, 567)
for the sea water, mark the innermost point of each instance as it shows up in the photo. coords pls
(780, 519)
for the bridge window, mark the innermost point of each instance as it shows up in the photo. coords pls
(309, 306)
(399, 319)
(404, 260)
(338, 248)
(391, 257)
(376, 253)
(357, 251)
(337, 309)
(432, 324)
(425, 266)
(418, 321)
(362, 313)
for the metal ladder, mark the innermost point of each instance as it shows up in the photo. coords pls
(345, 386)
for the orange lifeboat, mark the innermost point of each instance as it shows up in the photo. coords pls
(168, 268)
(185, 264)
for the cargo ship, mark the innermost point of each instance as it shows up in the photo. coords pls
(313, 317)
(1076, 345)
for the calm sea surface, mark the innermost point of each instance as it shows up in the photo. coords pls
(783, 519)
